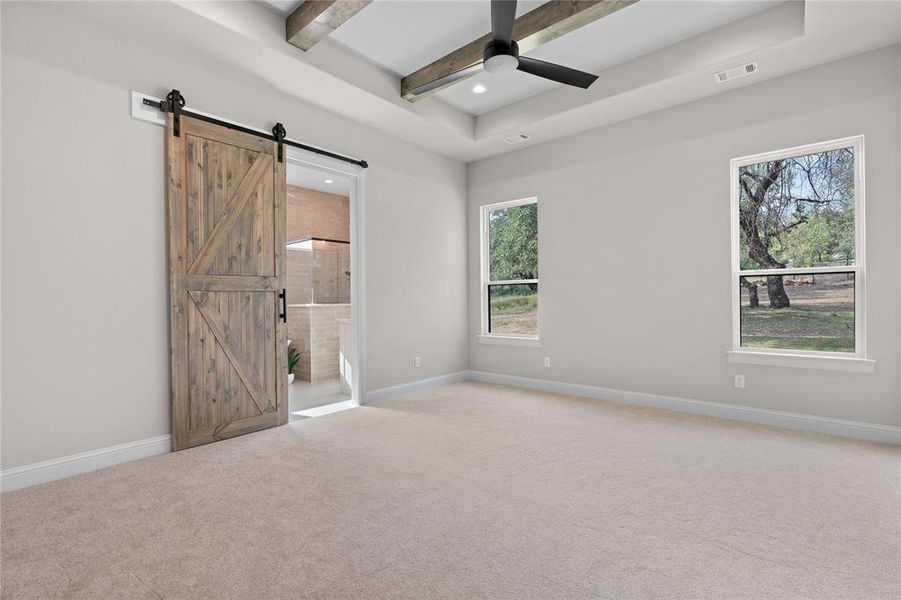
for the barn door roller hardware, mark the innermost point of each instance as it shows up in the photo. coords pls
(175, 103)
(279, 132)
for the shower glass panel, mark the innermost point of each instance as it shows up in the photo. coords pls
(318, 271)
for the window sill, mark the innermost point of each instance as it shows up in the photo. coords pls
(510, 340)
(803, 361)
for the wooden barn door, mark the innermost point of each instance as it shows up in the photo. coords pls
(226, 199)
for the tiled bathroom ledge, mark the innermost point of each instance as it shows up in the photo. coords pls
(319, 304)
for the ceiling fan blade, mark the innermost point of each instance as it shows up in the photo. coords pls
(503, 13)
(557, 73)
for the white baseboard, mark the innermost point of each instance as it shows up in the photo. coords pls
(851, 429)
(75, 464)
(42, 472)
(387, 392)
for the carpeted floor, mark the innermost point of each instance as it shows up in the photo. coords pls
(473, 491)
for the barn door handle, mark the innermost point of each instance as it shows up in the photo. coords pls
(284, 314)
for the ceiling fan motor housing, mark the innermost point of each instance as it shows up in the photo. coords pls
(500, 57)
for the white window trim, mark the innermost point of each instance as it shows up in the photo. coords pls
(504, 339)
(526, 341)
(843, 361)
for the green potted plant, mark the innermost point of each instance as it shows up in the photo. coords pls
(293, 359)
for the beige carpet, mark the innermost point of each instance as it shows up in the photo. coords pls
(473, 491)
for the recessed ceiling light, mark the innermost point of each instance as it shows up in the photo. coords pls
(330, 181)
(479, 89)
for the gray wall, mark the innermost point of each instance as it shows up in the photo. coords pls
(629, 213)
(84, 318)
(634, 243)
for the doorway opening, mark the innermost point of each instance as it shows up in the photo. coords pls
(322, 325)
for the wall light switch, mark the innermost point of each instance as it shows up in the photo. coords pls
(547, 362)
(740, 382)
(416, 362)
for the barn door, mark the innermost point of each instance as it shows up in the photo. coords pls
(226, 201)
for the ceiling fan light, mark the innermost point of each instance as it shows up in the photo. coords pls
(500, 63)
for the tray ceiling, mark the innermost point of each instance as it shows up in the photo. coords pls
(249, 38)
(401, 36)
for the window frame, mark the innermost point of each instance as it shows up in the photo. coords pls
(485, 336)
(856, 361)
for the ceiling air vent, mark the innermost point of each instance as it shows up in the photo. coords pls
(736, 72)
(516, 139)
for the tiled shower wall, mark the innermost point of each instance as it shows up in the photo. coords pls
(317, 214)
(299, 334)
(317, 277)
(313, 330)
(320, 276)
(331, 272)
(324, 340)
(327, 267)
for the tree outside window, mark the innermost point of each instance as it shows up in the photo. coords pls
(797, 270)
(511, 285)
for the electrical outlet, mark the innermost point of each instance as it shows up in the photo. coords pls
(740, 382)
(416, 362)
(547, 362)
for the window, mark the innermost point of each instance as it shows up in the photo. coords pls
(510, 272)
(797, 255)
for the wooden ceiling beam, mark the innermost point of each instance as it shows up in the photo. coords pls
(315, 19)
(547, 22)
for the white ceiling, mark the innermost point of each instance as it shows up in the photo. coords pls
(249, 37)
(314, 179)
(404, 35)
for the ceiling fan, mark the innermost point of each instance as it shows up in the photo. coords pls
(502, 53)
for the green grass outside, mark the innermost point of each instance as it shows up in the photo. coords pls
(824, 329)
(799, 343)
(512, 305)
